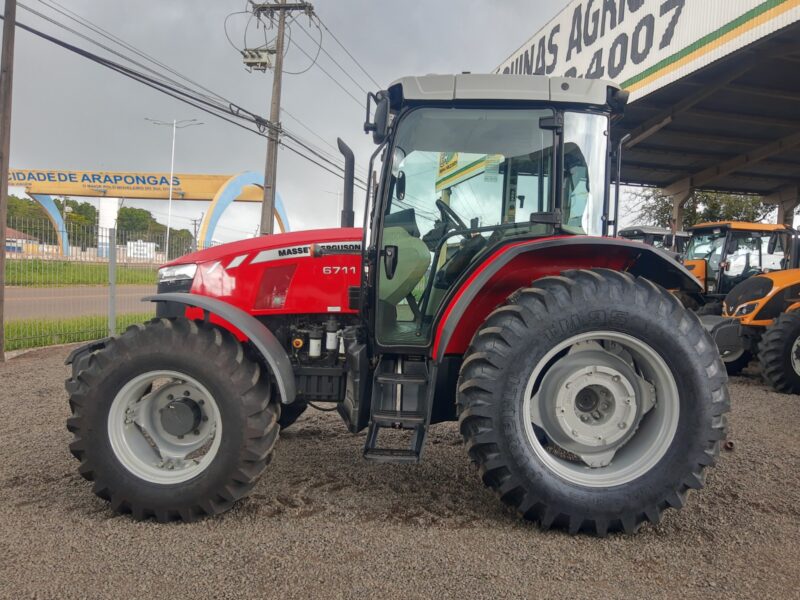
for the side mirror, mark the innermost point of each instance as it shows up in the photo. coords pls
(669, 240)
(400, 186)
(380, 125)
(733, 246)
(772, 244)
(390, 260)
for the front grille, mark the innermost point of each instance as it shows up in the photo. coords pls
(748, 290)
(175, 285)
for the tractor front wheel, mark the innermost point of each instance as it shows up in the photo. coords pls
(171, 420)
(779, 354)
(626, 385)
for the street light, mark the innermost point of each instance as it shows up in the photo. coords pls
(175, 126)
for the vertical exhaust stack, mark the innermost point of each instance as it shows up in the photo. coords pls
(348, 216)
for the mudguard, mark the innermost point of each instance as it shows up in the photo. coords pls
(262, 338)
(518, 264)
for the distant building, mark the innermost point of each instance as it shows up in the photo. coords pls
(16, 240)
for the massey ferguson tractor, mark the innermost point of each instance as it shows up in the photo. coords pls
(484, 287)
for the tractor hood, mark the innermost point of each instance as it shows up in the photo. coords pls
(303, 272)
(269, 242)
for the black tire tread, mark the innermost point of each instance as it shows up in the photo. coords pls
(248, 382)
(480, 378)
(771, 353)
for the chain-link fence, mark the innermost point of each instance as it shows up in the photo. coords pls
(78, 284)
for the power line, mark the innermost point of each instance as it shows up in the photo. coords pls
(353, 58)
(86, 23)
(331, 77)
(200, 103)
(358, 85)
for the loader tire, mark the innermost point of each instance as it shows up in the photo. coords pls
(171, 420)
(615, 336)
(738, 362)
(779, 354)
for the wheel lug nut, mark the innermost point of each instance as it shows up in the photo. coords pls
(180, 437)
(170, 397)
(605, 406)
(196, 432)
(584, 418)
(205, 418)
(201, 402)
(615, 378)
(186, 393)
(622, 425)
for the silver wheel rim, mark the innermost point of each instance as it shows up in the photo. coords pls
(796, 356)
(637, 426)
(729, 357)
(144, 437)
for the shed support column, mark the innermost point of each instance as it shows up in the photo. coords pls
(786, 211)
(786, 199)
(678, 205)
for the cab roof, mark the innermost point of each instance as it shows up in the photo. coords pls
(648, 229)
(741, 226)
(468, 86)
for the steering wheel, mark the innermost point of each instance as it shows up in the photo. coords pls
(450, 216)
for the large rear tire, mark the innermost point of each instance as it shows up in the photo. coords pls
(171, 420)
(626, 384)
(779, 354)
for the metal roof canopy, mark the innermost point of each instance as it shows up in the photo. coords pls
(732, 126)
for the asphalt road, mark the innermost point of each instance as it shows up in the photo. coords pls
(323, 523)
(73, 301)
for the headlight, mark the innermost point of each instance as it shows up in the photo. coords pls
(176, 273)
(745, 309)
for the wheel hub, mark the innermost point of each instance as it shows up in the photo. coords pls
(180, 417)
(590, 403)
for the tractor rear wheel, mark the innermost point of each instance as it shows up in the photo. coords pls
(779, 354)
(623, 380)
(171, 420)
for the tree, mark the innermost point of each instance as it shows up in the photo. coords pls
(135, 220)
(653, 208)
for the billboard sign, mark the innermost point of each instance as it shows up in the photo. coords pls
(645, 44)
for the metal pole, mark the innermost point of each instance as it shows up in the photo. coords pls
(6, 78)
(112, 281)
(171, 175)
(271, 168)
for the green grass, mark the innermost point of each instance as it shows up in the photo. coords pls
(60, 273)
(36, 333)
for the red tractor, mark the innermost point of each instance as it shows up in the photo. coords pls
(483, 288)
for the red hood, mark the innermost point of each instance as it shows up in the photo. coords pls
(265, 242)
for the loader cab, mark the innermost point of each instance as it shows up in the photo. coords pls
(466, 169)
(723, 254)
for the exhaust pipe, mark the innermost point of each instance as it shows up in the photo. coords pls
(348, 216)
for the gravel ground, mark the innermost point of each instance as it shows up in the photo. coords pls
(322, 523)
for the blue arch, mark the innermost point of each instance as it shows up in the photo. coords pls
(56, 219)
(223, 199)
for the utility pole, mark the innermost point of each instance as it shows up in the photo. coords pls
(195, 227)
(6, 78)
(281, 7)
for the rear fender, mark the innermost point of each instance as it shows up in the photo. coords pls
(517, 265)
(262, 338)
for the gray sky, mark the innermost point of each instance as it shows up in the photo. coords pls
(70, 113)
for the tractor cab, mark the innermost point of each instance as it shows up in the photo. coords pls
(467, 169)
(723, 254)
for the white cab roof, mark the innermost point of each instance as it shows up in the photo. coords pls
(504, 87)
